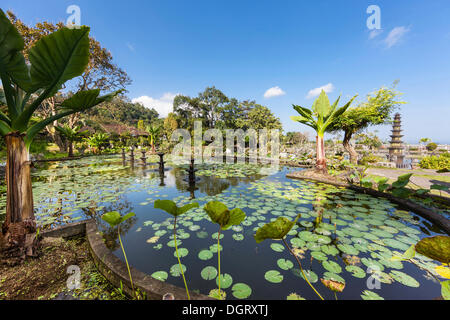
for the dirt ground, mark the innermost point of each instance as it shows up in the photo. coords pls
(46, 277)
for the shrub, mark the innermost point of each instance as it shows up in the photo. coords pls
(441, 162)
(369, 158)
(431, 146)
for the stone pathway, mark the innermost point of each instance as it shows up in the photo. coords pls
(417, 178)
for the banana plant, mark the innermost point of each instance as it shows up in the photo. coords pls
(52, 61)
(153, 132)
(225, 218)
(277, 230)
(98, 141)
(170, 207)
(320, 117)
(71, 135)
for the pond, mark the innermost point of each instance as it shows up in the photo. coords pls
(358, 234)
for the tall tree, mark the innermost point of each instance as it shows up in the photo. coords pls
(53, 60)
(321, 116)
(72, 135)
(377, 110)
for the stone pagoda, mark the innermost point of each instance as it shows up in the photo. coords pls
(396, 147)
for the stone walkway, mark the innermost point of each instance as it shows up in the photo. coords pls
(417, 178)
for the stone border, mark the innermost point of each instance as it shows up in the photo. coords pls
(426, 213)
(116, 272)
(114, 269)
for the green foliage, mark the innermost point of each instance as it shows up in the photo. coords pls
(54, 60)
(437, 248)
(432, 146)
(275, 230)
(220, 214)
(170, 207)
(441, 162)
(322, 115)
(114, 218)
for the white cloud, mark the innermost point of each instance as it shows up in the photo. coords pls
(130, 46)
(374, 33)
(274, 92)
(163, 105)
(395, 36)
(316, 92)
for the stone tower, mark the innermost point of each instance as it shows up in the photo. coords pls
(396, 147)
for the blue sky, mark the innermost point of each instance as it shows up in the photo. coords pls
(247, 47)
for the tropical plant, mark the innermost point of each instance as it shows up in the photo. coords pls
(432, 146)
(225, 218)
(436, 248)
(153, 136)
(72, 135)
(170, 207)
(114, 219)
(277, 230)
(377, 110)
(99, 141)
(52, 61)
(320, 117)
(440, 162)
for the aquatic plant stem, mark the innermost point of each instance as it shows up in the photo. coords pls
(301, 269)
(176, 250)
(218, 255)
(126, 260)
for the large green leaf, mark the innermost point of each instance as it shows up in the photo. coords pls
(114, 218)
(84, 100)
(170, 207)
(275, 230)
(321, 105)
(437, 248)
(219, 213)
(59, 57)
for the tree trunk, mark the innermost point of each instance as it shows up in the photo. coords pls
(70, 149)
(321, 161)
(19, 228)
(349, 148)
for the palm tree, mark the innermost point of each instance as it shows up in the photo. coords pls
(71, 135)
(153, 132)
(320, 117)
(53, 60)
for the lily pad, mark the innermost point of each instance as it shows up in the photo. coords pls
(205, 255)
(277, 247)
(370, 295)
(209, 273)
(225, 281)
(160, 275)
(332, 266)
(241, 291)
(404, 279)
(356, 271)
(437, 248)
(285, 264)
(273, 276)
(175, 270)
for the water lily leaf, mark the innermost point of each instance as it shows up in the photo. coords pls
(329, 250)
(170, 207)
(114, 218)
(436, 248)
(332, 266)
(225, 281)
(209, 273)
(318, 255)
(294, 296)
(205, 255)
(275, 230)
(445, 289)
(408, 254)
(356, 271)
(219, 213)
(443, 271)
(160, 275)
(404, 279)
(277, 247)
(311, 275)
(348, 249)
(216, 295)
(241, 291)
(285, 264)
(333, 277)
(175, 270)
(183, 252)
(370, 295)
(273, 276)
(334, 286)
